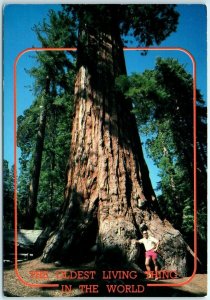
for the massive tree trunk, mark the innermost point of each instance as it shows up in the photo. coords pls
(109, 197)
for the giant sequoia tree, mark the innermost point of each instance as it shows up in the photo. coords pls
(109, 196)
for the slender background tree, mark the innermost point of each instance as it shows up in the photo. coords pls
(8, 194)
(44, 147)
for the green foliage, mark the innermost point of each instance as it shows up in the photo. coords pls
(59, 32)
(147, 24)
(163, 105)
(53, 89)
(150, 24)
(55, 154)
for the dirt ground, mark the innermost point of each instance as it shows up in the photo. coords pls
(36, 272)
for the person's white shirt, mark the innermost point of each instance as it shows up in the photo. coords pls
(149, 243)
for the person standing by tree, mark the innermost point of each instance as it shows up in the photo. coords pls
(151, 244)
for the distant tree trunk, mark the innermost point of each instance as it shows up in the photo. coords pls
(34, 184)
(109, 197)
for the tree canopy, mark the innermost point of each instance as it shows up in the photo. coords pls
(147, 24)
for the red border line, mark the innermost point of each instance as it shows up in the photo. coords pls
(194, 155)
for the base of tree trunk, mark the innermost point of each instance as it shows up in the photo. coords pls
(116, 247)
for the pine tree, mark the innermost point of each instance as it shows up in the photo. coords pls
(165, 96)
(162, 100)
(52, 76)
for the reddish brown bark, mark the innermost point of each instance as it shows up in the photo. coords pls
(109, 196)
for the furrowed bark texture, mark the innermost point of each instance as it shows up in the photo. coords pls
(109, 197)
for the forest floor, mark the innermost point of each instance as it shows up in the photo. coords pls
(36, 272)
